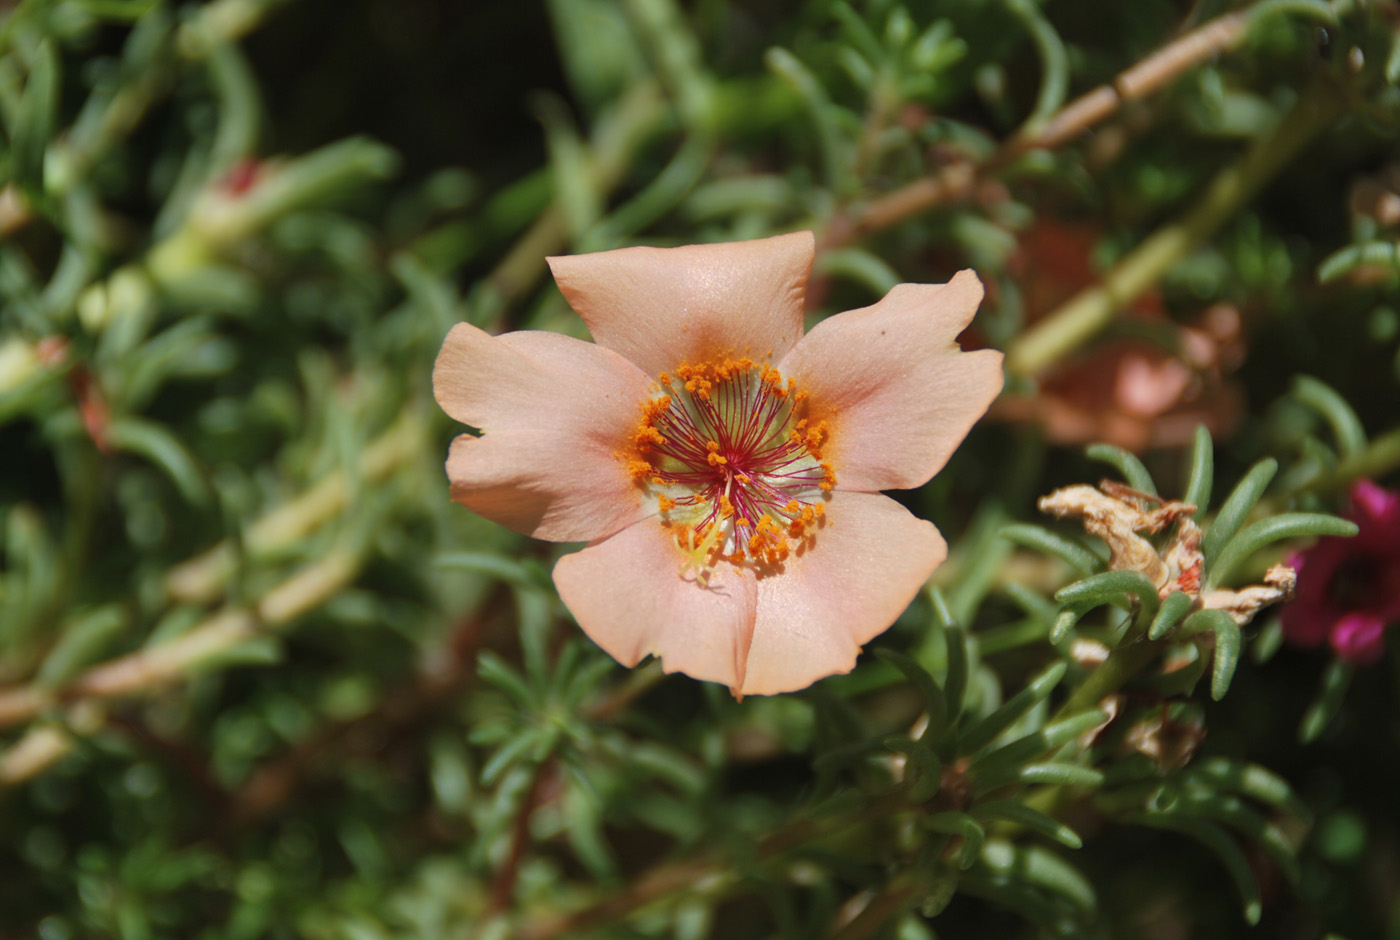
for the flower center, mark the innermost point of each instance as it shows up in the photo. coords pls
(1354, 583)
(734, 463)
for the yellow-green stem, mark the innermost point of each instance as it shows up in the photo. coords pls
(1086, 314)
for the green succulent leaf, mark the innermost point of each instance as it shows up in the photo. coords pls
(1040, 539)
(1014, 811)
(1108, 587)
(935, 703)
(1237, 506)
(1289, 525)
(1331, 694)
(984, 731)
(37, 119)
(1200, 471)
(1228, 644)
(964, 826)
(1174, 607)
(1042, 868)
(1346, 426)
(1127, 464)
(1220, 843)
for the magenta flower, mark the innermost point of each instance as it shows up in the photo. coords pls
(725, 469)
(1349, 589)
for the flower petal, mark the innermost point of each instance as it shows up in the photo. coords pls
(863, 569)
(1377, 512)
(892, 384)
(1373, 503)
(1359, 638)
(660, 307)
(555, 410)
(630, 595)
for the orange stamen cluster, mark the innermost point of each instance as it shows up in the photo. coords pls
(737, 472)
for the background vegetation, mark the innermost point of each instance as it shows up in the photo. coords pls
(259, 678)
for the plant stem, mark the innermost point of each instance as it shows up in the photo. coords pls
(1084, 315)
(1126, 661)
(147, 669)
(665, 880)
(1380, 457)
(957, 181)
(201, 579)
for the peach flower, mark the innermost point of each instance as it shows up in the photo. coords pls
(724, 469)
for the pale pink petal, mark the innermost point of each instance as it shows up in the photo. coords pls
(866, 565)
(554, 411)
(660, 307)
(632, 595)
(893, 386)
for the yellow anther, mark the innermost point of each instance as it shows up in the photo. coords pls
(648, 436)
(738, 413)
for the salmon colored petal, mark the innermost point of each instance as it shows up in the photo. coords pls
(892, 384)
(866, 565)
(554, 411)
(660, 307)
(629, 594)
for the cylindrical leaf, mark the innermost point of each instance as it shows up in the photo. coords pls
(1339, 415)
(162, 448)
(1328, 702)
(1003, 761)
(1237, 506)
(960, 824)
(1017, 812)
(1125, 463)
(1065, 775)
(1063, 624)
(1043, 540)
(934, 700)
(1104, 588)
(982, 732)
(1176, 606)
(1219, 842)
(1251, 780)
(34, 126)
(1201, 471)
(80, 643)
(1227, 646)
(1289, 525)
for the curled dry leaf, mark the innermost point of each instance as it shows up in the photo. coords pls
(1122, 516)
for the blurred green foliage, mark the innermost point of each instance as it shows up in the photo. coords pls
(259, 678)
